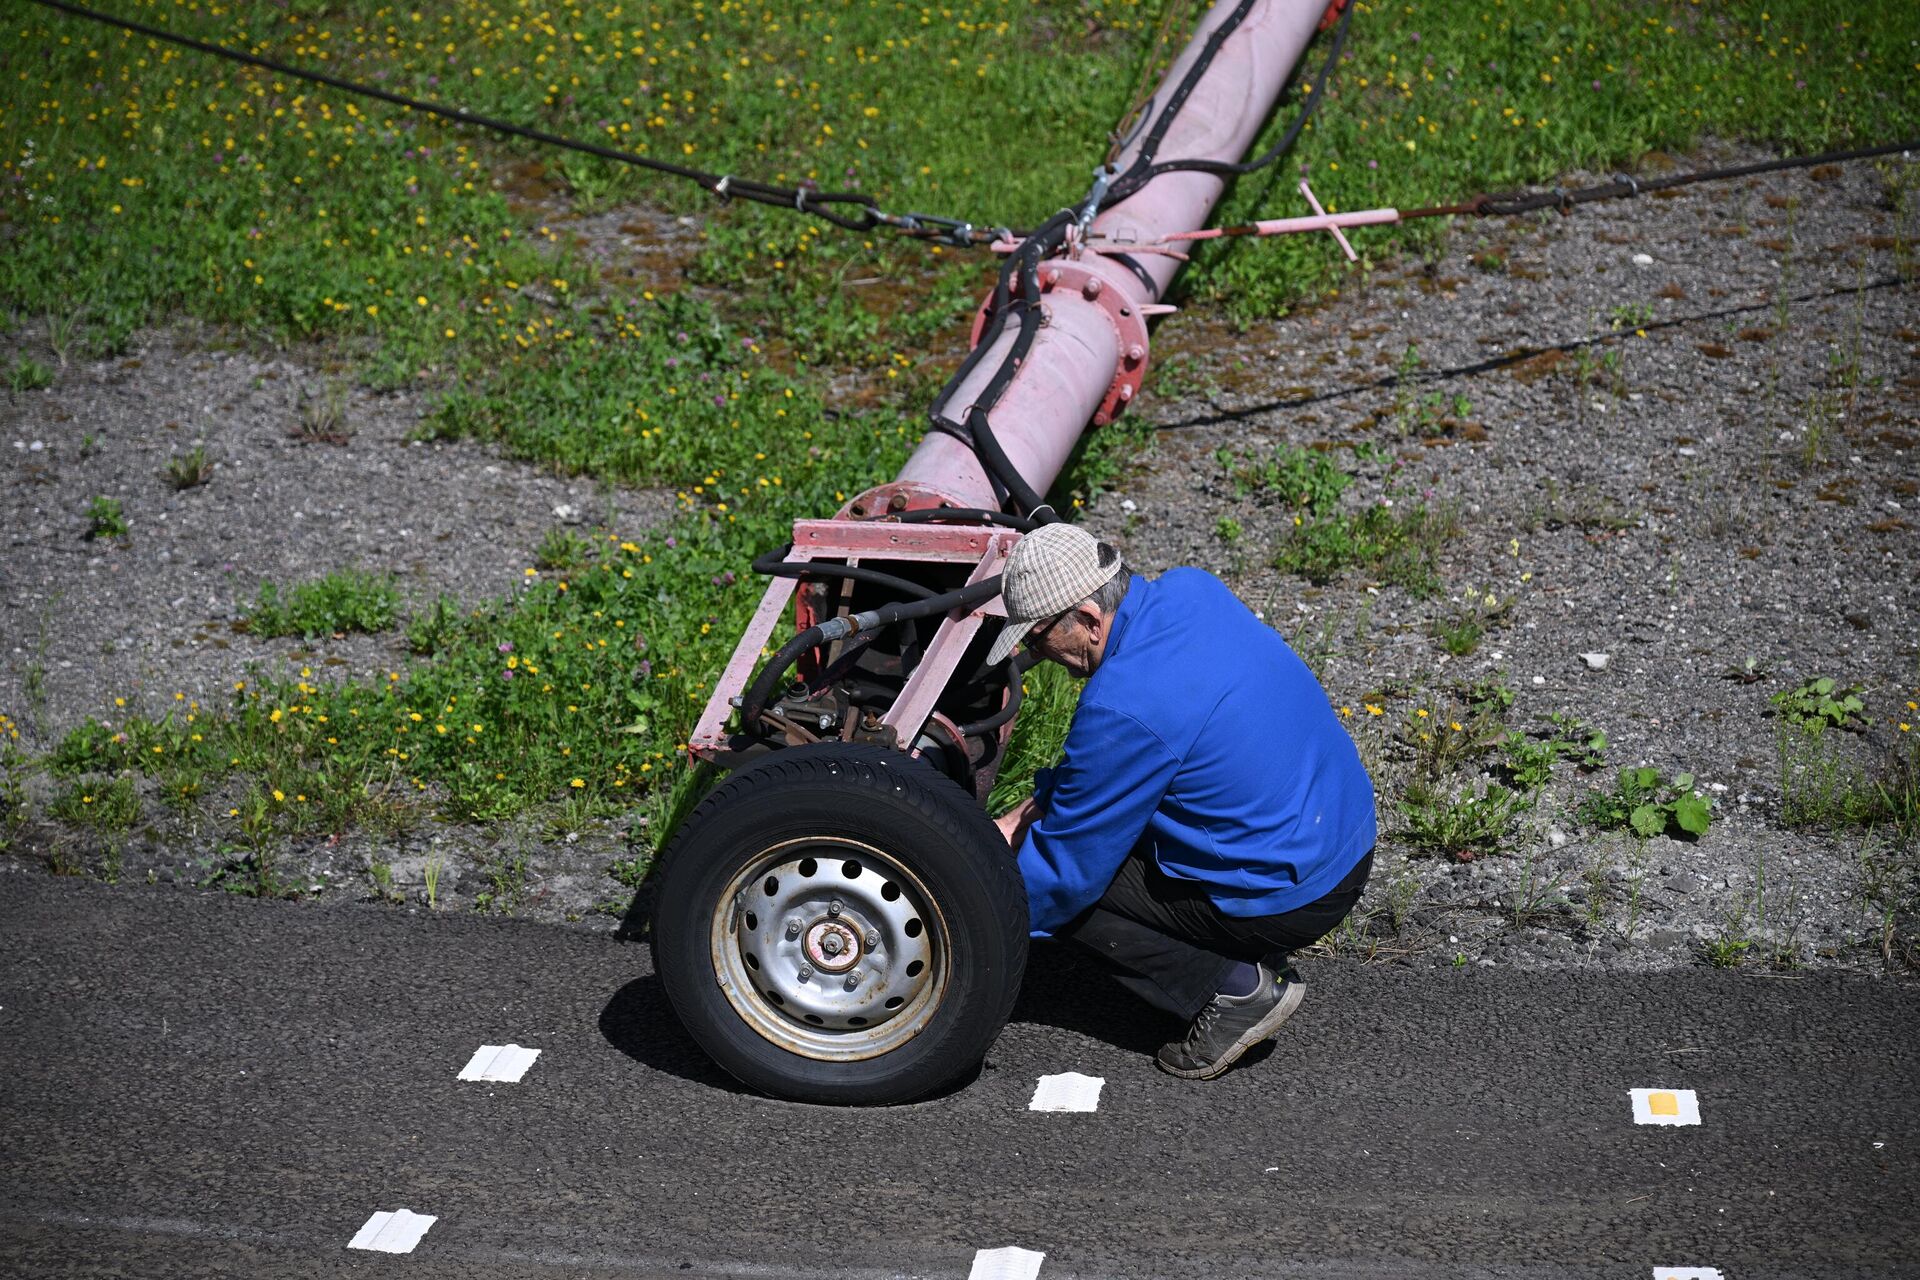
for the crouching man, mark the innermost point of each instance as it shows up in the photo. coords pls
(1209, 816)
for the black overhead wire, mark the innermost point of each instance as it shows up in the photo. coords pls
(832, 206)
(1621, 186)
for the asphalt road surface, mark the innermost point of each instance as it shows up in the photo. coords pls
(195, 1085)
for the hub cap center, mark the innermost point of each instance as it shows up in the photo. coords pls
(832, 947)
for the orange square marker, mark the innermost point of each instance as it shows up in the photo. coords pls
(1665, 1106)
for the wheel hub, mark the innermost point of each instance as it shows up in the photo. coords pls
(830, 948)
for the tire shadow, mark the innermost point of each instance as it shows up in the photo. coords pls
(640, 1022)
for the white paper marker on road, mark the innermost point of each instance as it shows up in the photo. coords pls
(1687, 1273)
(507, 1062)
(395, 1232)
(1006, 1264)
(1069, 1092)
(1665, 1106)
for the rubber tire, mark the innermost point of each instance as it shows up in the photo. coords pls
(916, 815)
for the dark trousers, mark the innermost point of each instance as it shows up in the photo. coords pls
(1167, 942)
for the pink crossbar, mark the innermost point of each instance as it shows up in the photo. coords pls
(985, 547)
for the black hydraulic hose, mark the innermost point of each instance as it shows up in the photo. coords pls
(774, 564)
(1150, 145)
(755, 699)
(1287, 139)
(1144, 170)
(1025, 264)
(1007, 712)
(959, 515)
(1031, 504)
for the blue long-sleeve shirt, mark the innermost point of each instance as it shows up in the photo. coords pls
(1204, 737)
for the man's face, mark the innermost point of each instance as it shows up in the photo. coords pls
(1074, 640)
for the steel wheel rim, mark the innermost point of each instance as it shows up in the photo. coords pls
(830, 948)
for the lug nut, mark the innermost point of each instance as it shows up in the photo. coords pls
(793, 930)
(872, 939)
(853, 980)
(833, 908)
(1091, 289)
(805, 974)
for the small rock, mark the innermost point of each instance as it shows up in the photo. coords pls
(1642, 259)
(1556, 837)
(1596, 661)
(1127, 504)
(1539, 679)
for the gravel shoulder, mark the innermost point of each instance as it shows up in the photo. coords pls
(1727, 471)
(1740, 484)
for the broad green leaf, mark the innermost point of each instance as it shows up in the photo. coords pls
(1649, 820)
(1682, 781)
(1693, 813)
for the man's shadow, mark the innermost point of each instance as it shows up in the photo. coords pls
(1062, 989)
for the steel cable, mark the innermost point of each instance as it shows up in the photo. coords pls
(725, 186)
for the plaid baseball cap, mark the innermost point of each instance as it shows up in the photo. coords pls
(1051, 570)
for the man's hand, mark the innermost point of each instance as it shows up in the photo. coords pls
(1014, 822)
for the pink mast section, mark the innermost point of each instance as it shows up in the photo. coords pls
(1089, 357)
(1085, 364)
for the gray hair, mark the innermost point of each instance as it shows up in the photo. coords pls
(1111, 592)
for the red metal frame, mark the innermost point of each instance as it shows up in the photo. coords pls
(828, 542)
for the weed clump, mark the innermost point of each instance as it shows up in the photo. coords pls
(342, 601)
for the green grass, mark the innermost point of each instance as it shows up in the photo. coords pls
(1823, 788)
(1399, 545)
(341, 601)
(140, 183)
(1462, 822)
(28, 374)
(106, 518)
(98, 804)
(1038, 735)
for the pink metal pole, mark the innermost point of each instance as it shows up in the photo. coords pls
(1084, 366)
(1077, 371)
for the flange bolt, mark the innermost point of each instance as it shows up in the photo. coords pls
(853, 980)
(805, 974)
(793, 930)
(833, 908)
(872, 939)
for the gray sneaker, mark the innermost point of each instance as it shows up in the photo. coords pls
(1231, 1025)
